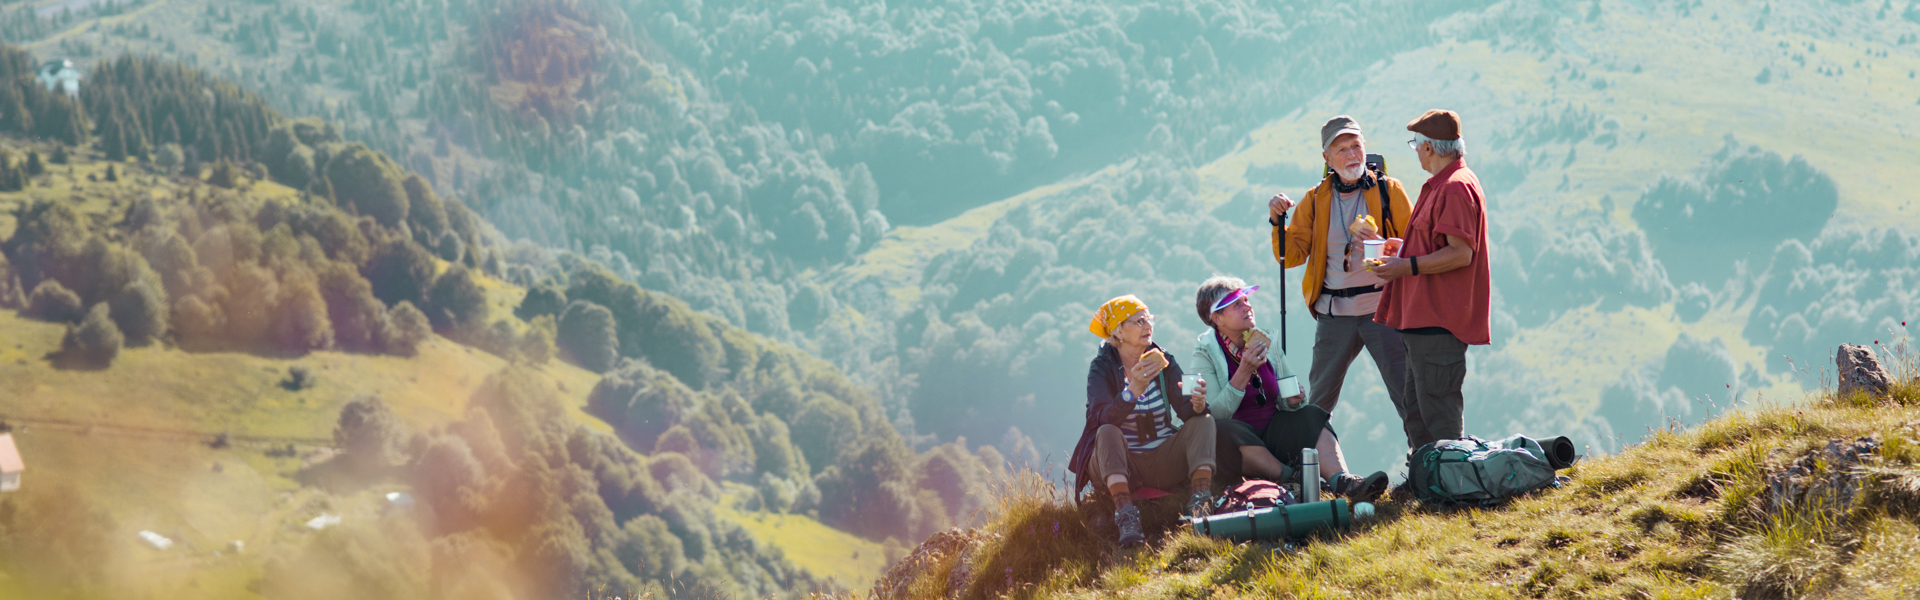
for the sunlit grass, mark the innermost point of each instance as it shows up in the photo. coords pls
(1682, 515)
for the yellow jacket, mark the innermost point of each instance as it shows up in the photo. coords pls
(1307, 232)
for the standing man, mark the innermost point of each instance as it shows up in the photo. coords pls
(1440, 295)
(1326, 234)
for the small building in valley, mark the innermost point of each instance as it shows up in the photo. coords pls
(10, 464)
(60, 76)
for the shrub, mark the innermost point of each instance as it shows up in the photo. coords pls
(302, 320)
(536, 344)
(425, 212)
(51, 301)
(224, 174)
(457, 302)
(823, 426)
(359, 320)
(141, 311)
(450, 248)
(95, 342)
(299, 377)
(370, 436)
(370, 183)
(587, 334)
(197, 326)
(541, 300)
(400, 271)
(407, 328)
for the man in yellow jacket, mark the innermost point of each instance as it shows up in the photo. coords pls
(1351, 205)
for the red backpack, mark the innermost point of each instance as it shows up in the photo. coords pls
(1251, 494)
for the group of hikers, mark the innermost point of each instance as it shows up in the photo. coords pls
(1414, 310)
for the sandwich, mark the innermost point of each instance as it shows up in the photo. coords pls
(1155, 357)
(1364, 226)
(1255, 336)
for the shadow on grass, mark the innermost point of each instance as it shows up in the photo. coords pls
(341, 475)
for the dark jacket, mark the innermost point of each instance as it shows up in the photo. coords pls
(1105, 380)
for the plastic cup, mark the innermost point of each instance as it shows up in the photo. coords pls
(1374, 247)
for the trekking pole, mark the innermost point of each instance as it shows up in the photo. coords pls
(1282, 228)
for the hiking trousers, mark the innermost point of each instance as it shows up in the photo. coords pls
(1337, 341)
(1165, 467)
(1436, 367)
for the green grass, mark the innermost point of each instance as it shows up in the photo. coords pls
(1679, 516)
(131, 441)
(852, 561)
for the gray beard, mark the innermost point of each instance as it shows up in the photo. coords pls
(1352, 175)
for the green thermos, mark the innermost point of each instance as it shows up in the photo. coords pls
(1290, 522)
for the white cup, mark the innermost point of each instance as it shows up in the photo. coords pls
(1289, 386)
(1373, 247)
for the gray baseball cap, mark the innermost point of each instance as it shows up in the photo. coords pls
(1335, 127)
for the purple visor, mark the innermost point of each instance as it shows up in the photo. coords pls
(1233, 296)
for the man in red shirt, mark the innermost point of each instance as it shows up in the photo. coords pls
(1439, 293)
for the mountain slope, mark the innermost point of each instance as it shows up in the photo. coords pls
(1714, 511)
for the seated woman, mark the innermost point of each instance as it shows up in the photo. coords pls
(1268, 430)
(1133, 394)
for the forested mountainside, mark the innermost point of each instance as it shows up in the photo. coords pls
(162, 267)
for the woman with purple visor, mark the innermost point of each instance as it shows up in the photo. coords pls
(1260, 409)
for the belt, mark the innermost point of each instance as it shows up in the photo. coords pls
(1348, 292)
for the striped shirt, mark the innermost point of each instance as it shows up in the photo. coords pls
(1151, 422)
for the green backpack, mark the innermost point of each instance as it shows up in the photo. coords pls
(1475, 472)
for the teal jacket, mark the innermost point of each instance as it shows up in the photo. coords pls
(1211, 364)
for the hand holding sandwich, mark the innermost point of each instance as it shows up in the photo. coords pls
(1363, 227)
(1145, 370)
(1253, 353)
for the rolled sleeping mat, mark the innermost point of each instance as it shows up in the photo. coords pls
(1560, 452)
(1289, 522)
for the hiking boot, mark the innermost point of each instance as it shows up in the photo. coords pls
(1127, 520)
(1200, 505)
(1358, 489)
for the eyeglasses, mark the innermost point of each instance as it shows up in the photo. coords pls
(1140, 320)
(1414, 144)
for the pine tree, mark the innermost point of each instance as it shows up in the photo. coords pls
(34, 166)
(8, 177)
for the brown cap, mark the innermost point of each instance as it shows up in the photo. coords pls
(1335, 127)
(1437, 124)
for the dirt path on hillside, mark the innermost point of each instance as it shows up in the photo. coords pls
(165, 434)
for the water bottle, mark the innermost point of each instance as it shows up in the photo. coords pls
(1309, 475)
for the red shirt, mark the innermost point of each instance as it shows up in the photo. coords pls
(1451, 203)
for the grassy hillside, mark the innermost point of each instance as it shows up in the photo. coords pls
(1712, 511)
(135, 443)
(211, 446)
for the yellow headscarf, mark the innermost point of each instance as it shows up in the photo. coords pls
(1113, 313)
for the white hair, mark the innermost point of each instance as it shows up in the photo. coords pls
(1456, 147)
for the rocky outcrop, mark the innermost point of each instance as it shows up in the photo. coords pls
(1859, 369)
(1825, 480)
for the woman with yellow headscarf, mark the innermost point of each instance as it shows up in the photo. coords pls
(1133, 393)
